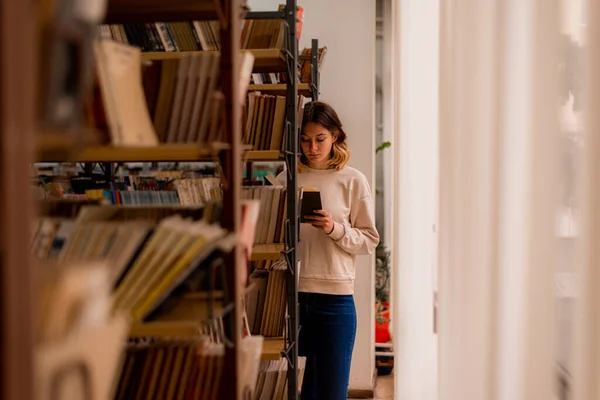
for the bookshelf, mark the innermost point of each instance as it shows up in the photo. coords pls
(165, 152)
(280, 89)
(270, 252)
(62, 148)
(19, 58)
(272, 348)
(142, 11)
(79, 145)
(265, 60)
(229, 154)
(264, 155)
(175, 329)
(74, 146)
(287, 346)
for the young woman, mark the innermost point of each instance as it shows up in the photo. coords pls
(327, 251)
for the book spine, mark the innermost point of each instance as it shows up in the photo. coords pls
(196, 37)
(153, 45)
(172, 36)
(152, 34)
(166, 39)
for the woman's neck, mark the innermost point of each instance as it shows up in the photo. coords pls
(324, 165)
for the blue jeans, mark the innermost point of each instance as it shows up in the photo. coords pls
(328, 330)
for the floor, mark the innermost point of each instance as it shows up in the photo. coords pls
(384, 388)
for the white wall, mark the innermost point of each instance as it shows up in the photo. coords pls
(347, 28)
(498, 200)
(415, 146)
(388, 122)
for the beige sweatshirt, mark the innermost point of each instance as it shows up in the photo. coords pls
(328, 262)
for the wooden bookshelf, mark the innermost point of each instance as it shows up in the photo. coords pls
(193, 308)
(139, 11)
(59, 148)
(167, 55)
(269, 60)
(53, 152)
(272, 348)
(264, 155)
(279, 89)
(186, 315)
(270, 252)
(20, 74)
(64, 140)
(265, 60)
(165, 329)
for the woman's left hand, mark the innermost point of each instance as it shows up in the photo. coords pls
(322, 221)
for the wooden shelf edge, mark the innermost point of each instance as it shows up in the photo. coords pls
(272, 348)
(149, 11)
(279, 89)
(265, 60)
(218, 295)
(64, 149)
(162, 152)
(262, 252)
(165, 329)
(263, 155)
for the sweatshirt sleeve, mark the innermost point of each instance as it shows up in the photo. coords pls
(360, 237)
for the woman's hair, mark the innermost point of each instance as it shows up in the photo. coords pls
(318, 112)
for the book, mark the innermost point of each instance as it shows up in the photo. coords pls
(199, 35)
(271, 180)
(148, 259)
(272, 381)
(265, 120)
(306, 63)
(66, 33)
(169, 101)
(82, 365)
(311, 202)
(271, 206)
(160, 187)
(77, 341)
(120, 76)
(249, 220)
(172, 368)
(266, 301)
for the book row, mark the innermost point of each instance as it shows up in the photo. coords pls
(198, 35)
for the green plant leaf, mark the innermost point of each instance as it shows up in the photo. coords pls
(383, 146)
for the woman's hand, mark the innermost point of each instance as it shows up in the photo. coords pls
(322, 221)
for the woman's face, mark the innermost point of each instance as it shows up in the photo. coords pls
(316, 142)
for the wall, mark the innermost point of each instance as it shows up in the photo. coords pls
(498, 204)
(415, 148)
(387, 156)
(381, 216)
(347, 28)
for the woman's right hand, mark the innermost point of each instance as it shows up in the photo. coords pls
(322, 221)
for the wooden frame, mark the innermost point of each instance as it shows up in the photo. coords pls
(230, 62)
(17, 114)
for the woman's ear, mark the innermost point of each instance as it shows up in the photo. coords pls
(335, 137)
